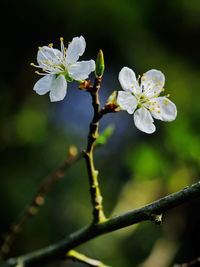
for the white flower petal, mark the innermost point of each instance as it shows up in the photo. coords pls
(75, 49)
(164, 109)
(48, 54)
(127, 101)
(152, 82)
(44, 84)
(144, 121)
(58, 89)
(128, 80)
(81, 70)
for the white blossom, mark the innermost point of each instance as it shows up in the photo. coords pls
(143, 99)
(61, 66)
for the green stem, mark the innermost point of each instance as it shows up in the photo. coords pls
(58, 250)
(76, 256)
(96, 197)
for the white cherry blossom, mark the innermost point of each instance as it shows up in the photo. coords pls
(143, 99)
(61, 66)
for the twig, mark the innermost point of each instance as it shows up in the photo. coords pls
(96, 197)
(193, 263)
(76, 256)
(58, 250)
(38, 200)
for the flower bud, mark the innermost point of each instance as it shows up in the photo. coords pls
(100, 66)
(111, 103)
(112, 99)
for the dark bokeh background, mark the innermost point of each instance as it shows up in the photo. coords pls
(135, 168)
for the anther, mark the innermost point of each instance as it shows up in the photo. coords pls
(61, 39)
(32, 64)
(39, 47)
(37, 72)
(168, 95)
(158, 106)
(50, 45)
(163, 89)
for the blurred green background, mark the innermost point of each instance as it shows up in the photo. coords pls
(135, 168)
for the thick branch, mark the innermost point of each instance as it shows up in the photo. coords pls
(58, 250)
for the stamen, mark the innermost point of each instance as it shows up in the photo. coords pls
(163, 89)
(52, 63)
(42, 74)
(158, 111)
(168, 95)
(158, 106)
(36, 66)
(62, 46)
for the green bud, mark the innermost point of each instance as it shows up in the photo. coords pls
(112, 99)
(104, 136)
(100, 66)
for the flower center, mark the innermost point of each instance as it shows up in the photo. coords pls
(54, 61)
(143, 100)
